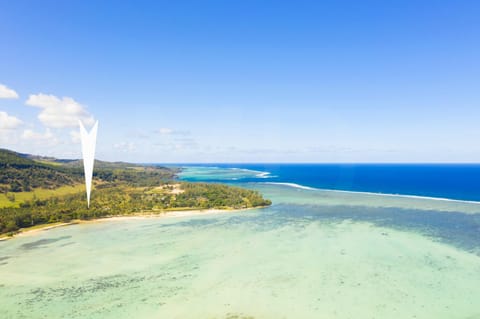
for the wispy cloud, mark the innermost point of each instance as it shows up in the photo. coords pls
(164, 131)
(75, 136)
(47, 138)
(175, 140)
(125, 146)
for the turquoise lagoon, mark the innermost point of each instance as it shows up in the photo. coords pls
(312, 254)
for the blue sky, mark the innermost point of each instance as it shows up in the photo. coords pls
(243, 81)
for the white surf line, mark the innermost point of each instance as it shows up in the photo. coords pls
(259, 174)
(293, 185)
(89, 140)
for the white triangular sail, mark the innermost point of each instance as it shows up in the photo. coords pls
(89, 140)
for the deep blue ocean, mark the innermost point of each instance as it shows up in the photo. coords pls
(451, 181)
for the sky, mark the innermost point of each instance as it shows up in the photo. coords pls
(243, 81)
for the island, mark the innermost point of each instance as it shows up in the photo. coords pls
(37, 190)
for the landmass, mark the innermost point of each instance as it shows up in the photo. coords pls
(42, 191)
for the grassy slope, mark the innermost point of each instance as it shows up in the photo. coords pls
(23, 167)
(39, 193)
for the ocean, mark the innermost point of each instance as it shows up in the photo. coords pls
(450, 181)
(339, 241)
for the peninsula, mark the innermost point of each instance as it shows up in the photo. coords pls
(37, 190)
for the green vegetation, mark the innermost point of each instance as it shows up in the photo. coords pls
(203, 195)
(15, 199)
(135, 176)
(37, 190)
(19, 174)
(123, 200)
(23, 173)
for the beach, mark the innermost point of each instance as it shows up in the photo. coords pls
(166, 214)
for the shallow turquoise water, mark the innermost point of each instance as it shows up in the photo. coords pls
(313, 254)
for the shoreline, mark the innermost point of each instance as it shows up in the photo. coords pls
(145, 215)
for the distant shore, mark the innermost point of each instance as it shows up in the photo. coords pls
(165, 214)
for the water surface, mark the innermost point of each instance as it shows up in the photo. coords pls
(313, 254)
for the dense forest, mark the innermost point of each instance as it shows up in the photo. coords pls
(120, 189)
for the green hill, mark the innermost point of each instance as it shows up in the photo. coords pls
(25, 172)
(21, 174)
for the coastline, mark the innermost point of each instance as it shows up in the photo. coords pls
(164, 214)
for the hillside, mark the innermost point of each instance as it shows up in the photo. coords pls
(25, 172)
(21, 174)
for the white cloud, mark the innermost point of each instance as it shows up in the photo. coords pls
(7, 93)
(59, 113)
(75, 136)
(43, 138)
(8, 122)
(175, 140)
(165, 131)
(125, 146)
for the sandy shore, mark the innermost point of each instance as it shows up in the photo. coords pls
(166, 214)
